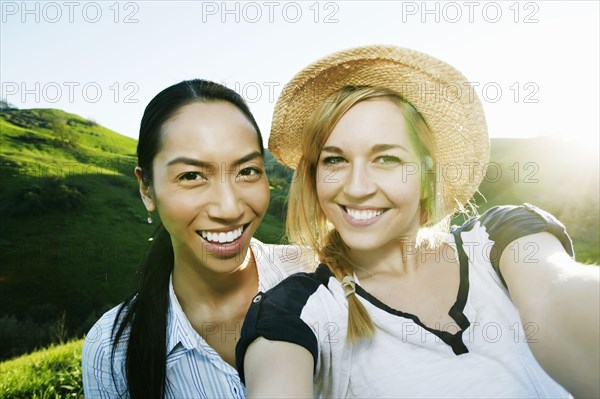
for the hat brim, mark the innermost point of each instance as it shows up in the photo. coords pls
(439, 92)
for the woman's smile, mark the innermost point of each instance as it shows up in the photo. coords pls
(362, 216)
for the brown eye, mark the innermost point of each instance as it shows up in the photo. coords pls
(250, 171)
(192, 176)
(250, 174)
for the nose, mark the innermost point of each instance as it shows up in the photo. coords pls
(226, 204)
(359, 182)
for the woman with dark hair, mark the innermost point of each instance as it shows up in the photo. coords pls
(200, 166)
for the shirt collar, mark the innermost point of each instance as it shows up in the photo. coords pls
(179, 329)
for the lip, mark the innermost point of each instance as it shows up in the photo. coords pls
(225, 250)
(361, 223)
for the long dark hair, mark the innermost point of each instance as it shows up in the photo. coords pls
(144, 312)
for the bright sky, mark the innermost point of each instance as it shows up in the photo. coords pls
(535, 63)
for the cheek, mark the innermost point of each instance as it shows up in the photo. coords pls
(169, 196)
(323, 194)
(175, 206)
(407, 192)
(323, 189)
(258, 196)
(327, 183)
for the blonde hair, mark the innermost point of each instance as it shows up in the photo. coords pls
(306, 223)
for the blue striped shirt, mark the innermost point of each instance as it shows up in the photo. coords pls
(194, 369)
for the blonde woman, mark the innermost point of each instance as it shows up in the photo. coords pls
(387, 144)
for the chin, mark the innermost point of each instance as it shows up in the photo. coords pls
(225, 266)
(362, 244)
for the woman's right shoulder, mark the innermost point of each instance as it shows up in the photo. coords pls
(292, 311)
(296, 290)
(99, 338)
(102, 369)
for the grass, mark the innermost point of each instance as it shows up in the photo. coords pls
(50, 373)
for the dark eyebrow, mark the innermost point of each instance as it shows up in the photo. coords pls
(249, 157)
(203, 164)
(190, 161)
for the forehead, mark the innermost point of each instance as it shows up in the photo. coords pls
(208, 131)
(369, 122)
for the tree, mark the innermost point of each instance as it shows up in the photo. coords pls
(6, 105)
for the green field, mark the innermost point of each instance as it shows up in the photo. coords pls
(51, 373)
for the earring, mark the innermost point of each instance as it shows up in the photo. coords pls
(149, 218)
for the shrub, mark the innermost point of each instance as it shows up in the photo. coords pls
(52, 194)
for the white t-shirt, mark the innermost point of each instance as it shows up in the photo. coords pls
(484, 353)
(194, 368)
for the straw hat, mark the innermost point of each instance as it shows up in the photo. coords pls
(440, 93)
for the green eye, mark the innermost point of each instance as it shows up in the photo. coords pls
(333, 160)
(388, 160)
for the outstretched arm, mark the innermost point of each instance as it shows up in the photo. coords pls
(563, 298)
(277, 369)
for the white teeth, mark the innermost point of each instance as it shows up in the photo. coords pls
(363, 215)
(222, 237)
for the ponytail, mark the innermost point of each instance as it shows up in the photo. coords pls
(360, 325)
(145, 313)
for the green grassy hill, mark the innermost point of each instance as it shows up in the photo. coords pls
(73, 226)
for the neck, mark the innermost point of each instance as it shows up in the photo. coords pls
(401, 256)
(202, 287)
